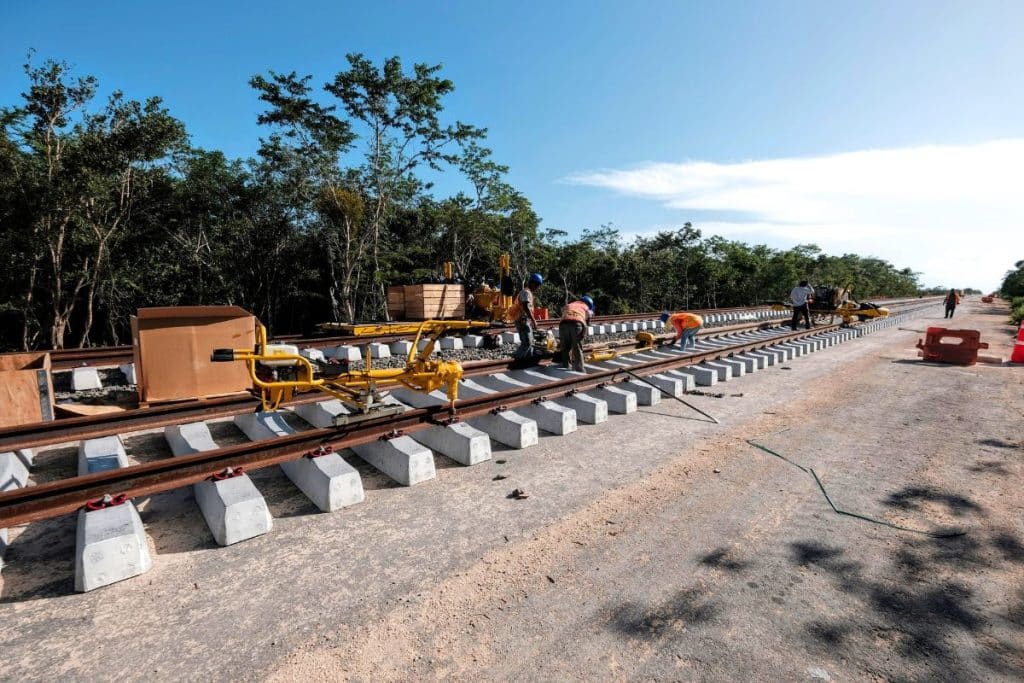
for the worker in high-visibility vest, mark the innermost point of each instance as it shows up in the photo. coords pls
(572, 330)
(686, 326)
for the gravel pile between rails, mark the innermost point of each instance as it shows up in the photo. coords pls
(114, 384)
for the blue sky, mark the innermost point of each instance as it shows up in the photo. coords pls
(641, 114)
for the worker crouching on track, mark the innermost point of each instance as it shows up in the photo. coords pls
(686, 326)
(572, 330)
(526, 323)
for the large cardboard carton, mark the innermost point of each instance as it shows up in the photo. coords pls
(173, 346)
(26, 389)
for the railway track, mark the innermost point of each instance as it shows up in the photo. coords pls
(89, 427)
(68, 495)
(110, 356)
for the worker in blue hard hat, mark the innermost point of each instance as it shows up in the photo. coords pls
(572, 330)
(522, 313)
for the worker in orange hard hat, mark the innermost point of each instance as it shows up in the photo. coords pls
(686, 326)
(572, 330)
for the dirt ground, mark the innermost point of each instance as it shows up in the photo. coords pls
(655, 546)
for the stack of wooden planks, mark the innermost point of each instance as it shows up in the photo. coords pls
(426, 302)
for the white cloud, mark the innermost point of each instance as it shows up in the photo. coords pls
(953, 212)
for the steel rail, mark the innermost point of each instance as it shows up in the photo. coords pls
(56, 498)
(64, 430)
(35, 435)
(64, 359)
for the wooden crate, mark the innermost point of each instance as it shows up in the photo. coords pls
(396, 302)
(425, 302)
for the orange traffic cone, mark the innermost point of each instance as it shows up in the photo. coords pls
(1018, 349)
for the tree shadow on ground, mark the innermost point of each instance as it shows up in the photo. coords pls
(721, 558)
(912, 498)
(923, 606)
(989, 467)
(688, 607)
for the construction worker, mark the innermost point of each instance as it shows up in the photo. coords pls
(572, 330)
(686, 326)
(801, 296)
(526, 323)
(952, 300)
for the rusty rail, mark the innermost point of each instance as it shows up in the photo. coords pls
(68, 495)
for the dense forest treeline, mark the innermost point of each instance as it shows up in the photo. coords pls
(106, 207)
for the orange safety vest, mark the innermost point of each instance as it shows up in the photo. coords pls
(685, 321)
(577, 311)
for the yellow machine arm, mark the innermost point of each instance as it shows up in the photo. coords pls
(359, 389)
(645, 342)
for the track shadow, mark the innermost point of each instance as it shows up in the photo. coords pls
(55, 464)
(373, 479)
(143, 448)
(283, 498)
(688, 607)
(40, 562)
(174, 522)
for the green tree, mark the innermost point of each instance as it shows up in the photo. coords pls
(80, 174)
(399, 116)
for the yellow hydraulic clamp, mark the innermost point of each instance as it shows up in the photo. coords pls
(278, 372)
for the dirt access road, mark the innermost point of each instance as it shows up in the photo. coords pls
(655, 546)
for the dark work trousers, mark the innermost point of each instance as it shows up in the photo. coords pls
(801, 311)
(949, 310)
(525, 349)
(570, 344)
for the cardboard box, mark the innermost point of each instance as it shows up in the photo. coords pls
(26, 389)
(173, 346)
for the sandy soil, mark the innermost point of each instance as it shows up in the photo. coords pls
(655, 546)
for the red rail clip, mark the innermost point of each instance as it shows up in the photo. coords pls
(107, 501)
(499, 409)
(539, 399)
(226, 473)
(393, 434)
(323, 449)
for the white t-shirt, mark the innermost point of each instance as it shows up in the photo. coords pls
(799, 295)
(525, 299)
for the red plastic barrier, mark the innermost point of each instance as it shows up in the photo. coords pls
(962, 352)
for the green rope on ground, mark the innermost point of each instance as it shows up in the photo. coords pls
(838, 511)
